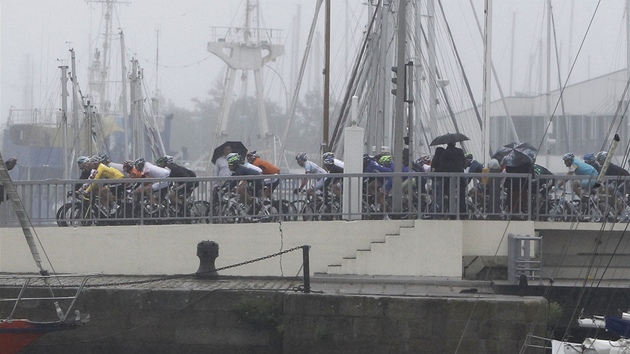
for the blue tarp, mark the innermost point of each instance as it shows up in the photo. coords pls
(618, 325)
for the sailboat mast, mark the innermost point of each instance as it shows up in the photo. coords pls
(487, 84)
(326, 117)
(628, 51)
(64, 118)
(548, 91)
(75, 99)
(157, 61)
(399, 120)
(125, 113)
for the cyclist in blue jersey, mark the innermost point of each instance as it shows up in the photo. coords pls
(580, 168)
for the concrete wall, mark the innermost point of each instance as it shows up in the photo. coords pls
(137, 321)
(407, 247)
(585, 254)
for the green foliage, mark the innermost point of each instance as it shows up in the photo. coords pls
(555, 311)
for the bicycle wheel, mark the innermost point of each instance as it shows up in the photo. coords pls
(199, 212)
(268, 213)
(65, 214)
(230, 215)
(74, 214)
(309, 212)
(591, 213)
(290, 211)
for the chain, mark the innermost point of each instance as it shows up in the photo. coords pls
(145, 281)
(261, 258)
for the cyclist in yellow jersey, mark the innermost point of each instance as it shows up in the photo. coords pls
(107, 192)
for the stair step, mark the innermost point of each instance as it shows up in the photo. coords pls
(359, 264)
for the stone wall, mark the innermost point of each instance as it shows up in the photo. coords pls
(137, 321)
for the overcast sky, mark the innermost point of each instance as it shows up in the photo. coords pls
(37, 34)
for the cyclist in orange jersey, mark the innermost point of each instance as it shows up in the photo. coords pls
(270, 184)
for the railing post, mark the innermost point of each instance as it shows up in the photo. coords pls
(529, 197)
(307, 269)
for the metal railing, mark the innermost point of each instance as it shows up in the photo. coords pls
(491, 196)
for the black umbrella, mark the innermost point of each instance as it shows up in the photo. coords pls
(449, 138)
(524, 148)
(515, 159)
(236, 146)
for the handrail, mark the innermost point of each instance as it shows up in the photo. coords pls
(538, 201)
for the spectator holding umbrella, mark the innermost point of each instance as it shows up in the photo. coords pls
(451, 160)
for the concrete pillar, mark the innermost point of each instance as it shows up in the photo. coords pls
(353, 163)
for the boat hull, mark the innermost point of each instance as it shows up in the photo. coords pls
(17, 334)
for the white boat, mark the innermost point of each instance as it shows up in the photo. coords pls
(591, 345)
(595, 322)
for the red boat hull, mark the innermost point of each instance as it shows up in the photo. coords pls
(17, 334)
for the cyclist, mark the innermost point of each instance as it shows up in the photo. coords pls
(309, 168)
(577, 167)
(85, 172)
(592, 160)
(107, 192)
(181, 190)
(150, 170)
(612, 170)
(614, 188)
(333, 166)
(131, 170)
(105, 160)
(379, 187)
(267, 168)
(245, 188)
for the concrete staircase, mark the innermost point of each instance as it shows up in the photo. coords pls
(367, 260)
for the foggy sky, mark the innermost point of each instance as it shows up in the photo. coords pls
(37, 34)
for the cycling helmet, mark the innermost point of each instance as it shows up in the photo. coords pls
(161, 161)
(589, 158)
(601, 156)
(128, 164)
(468, 156)
(385, 160)
(329, 158)
(82, 160)
(139, 163)
(169, 159)
(301, 157)
(426, 159)
(94, 160)
(105, 159)
(568, 156)
(252, 153)
(367, 157)
(233, 159)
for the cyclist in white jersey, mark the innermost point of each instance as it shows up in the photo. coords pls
(310, 168)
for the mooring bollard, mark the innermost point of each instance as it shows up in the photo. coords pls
(207, 251)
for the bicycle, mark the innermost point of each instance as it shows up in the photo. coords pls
(232, 210)
(320, 207)
(86, 210)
